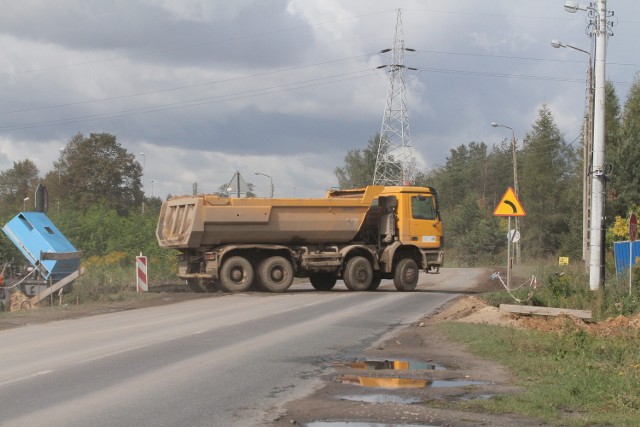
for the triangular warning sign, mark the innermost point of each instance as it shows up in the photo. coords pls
(509, 205)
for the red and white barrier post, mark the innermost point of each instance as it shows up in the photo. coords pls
(141, 274)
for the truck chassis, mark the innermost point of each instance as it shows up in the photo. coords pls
(238, 268)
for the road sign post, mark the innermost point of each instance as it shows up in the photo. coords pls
(510, 206)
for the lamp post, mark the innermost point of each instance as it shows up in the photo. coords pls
(24, 204)
(515, 182)
(152, 181)
(270, 180)
(144, 166)
(61, 149)
(599, 29)
(587, 153)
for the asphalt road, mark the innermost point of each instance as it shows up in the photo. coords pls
(231, 360)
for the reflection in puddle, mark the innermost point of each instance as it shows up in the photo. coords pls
(397, 365)
(379, 382)
(392, 382)
(381, 398)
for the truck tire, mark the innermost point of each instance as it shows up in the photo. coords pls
(323, 280)
(275, 274)
(236, 274)
(375, 282)
(405, 277)
(358, 274)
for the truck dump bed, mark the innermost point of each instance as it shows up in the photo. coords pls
(44, 246)
(194, 221)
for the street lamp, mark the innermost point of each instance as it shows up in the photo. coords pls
(587, 152)
(270, 180)
(144, 166)
(152, 181)
(573, 7)
(600, 30)
(61, 149)
(515, 181)
(24, 204)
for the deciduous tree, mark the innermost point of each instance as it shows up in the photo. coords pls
(17, 183)
(359, 166)
(98, 170)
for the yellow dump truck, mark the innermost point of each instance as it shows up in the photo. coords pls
(360, 236)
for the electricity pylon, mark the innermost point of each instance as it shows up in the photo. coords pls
(395, 162)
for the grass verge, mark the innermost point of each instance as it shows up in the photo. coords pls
(568, 379)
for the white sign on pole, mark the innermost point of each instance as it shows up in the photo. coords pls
(141, 274)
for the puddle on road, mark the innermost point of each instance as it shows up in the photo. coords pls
(361, 424)
(456, 383)
(381, 398)
(396, 365)
(478, 397)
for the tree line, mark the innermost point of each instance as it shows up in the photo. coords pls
(95, 198)
(474, 177)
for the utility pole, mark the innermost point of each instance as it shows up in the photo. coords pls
(587, 151)
(586, 177)
(144, 167)
(601, 30)
(596, 278)
(395, 163)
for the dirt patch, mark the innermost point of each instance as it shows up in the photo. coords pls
(43, 313)
(474, 310)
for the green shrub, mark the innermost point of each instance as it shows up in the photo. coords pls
(113, 277)
(568, 287)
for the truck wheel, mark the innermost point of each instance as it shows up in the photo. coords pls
(276, 274)
(358, 274)
(405, 277)
(236, 274)
(322, 280)
(375, 282)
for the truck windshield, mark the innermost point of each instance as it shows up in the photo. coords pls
(422, 207)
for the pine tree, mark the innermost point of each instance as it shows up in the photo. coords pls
(624, 185)
(545, 183)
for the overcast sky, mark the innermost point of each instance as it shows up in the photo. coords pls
(286, 87)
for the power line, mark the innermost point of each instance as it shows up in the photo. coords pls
(194, 102)
(181, 48)
(177, 88)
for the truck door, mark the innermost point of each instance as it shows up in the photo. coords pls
(425, 227)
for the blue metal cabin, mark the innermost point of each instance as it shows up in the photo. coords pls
(44, 246)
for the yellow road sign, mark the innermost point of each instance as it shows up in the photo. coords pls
(509, 205)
